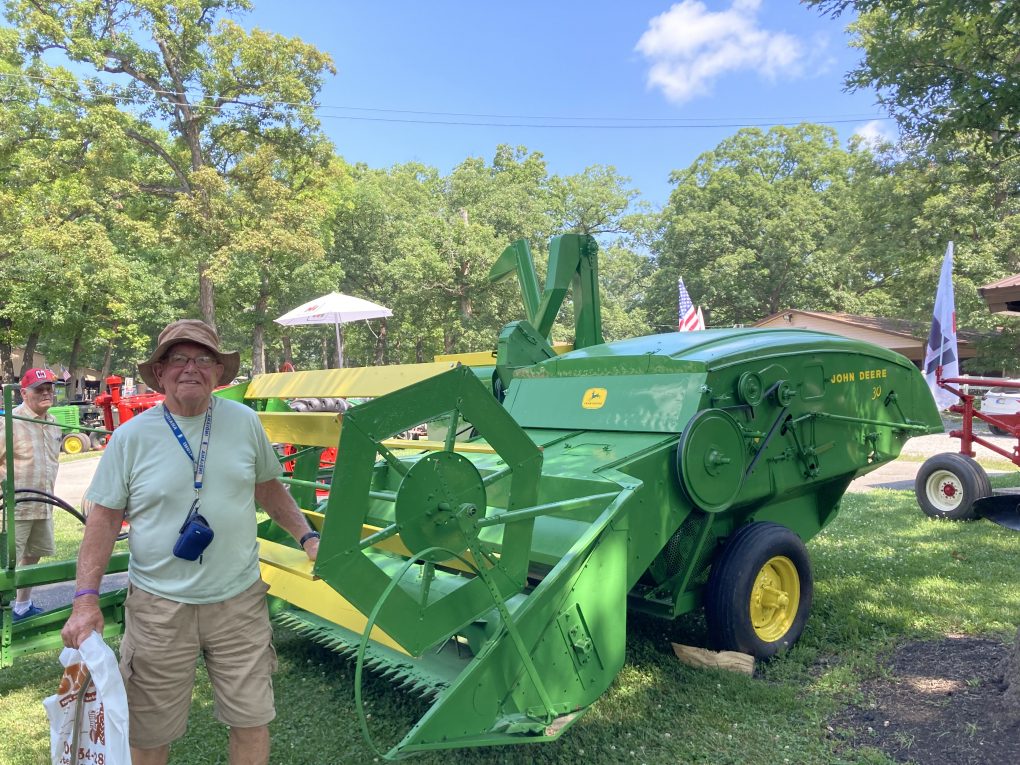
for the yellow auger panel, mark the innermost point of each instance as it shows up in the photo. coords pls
(476, 359)
(488, 358)
(305, 428)
(319, 598)
(434, 446)
(358, 382)
(286, 558)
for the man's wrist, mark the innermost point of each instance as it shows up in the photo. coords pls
(310, 535)
(85, 592)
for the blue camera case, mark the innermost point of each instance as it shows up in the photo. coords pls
(195, 536)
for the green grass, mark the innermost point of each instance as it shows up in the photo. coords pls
(884, 574)
(89, 455)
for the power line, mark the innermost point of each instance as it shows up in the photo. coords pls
(535, 121)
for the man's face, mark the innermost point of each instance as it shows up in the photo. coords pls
(188, 372)
(39, 397)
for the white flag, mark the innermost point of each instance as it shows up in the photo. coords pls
(942, 350)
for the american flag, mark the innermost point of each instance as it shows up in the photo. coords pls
(690, 317)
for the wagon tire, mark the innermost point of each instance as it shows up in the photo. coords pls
(947, 485)
(984, 484)
(98, 440)
(759, 591)
(75, 443)
(997, 431)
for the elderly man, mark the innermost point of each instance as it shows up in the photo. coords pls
(36, 449)
(195, 452)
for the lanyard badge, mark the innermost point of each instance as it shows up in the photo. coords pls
(196, 534)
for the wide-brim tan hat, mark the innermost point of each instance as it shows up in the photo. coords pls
(189, 331)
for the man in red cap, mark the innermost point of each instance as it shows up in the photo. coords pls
(36, 449)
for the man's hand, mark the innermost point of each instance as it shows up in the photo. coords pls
(85, 617)
(312, 548)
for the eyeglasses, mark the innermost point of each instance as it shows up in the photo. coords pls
(179, 361)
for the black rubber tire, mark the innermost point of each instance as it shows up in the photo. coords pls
(98, 441)
(947, 485)
(731, 581)
(984, 484)
(997, 431)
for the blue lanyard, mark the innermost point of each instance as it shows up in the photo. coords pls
(199, 465)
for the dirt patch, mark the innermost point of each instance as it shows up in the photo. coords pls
(946, 702)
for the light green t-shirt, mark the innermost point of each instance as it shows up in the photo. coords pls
(145, 471)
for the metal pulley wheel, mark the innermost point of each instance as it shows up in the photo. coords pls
(750, 388)
(711, 460)
(434, 493)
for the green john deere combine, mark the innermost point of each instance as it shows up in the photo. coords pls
(492, 569)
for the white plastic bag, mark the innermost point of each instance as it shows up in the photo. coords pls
(103, 726)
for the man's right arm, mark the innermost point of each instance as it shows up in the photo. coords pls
(101, 532)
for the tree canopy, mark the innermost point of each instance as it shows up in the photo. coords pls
(941, 67)
(160, 160)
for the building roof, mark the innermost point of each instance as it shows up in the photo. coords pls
(900, 327)
(1002, 296)
(901, 335)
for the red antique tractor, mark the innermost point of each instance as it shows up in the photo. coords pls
(118, 409)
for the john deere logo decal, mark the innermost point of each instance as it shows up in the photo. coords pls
(594, 398)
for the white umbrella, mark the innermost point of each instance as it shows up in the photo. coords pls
(336, 309)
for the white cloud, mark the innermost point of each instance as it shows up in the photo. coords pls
(689, 47)
(877, 132)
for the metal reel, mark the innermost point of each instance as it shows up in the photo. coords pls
(438, 502)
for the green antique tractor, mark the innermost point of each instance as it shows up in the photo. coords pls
(659, 474)
(492, 569)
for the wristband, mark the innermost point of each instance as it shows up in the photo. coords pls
(79, 593)
(309, 535)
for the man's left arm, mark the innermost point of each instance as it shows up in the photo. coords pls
(273, 497)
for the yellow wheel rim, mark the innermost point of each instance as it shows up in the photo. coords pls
(72, 445)
(775, 598)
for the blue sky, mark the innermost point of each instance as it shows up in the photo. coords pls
(723, 63)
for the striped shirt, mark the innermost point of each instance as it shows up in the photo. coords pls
(36, 449)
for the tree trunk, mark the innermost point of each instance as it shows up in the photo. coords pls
(380, 345)
(192, 134)
(419, 350)
(206, 297)
(73, 365)
(325, 354)
(464, 296)
(258, 344)
(258, 349)
(28, 357)
(448, 340)
(6, 351)
(107, 361)
(288, 352)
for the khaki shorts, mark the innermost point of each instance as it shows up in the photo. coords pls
(162, 642)
(34, 538)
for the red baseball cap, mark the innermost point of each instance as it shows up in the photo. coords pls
(34, 377)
